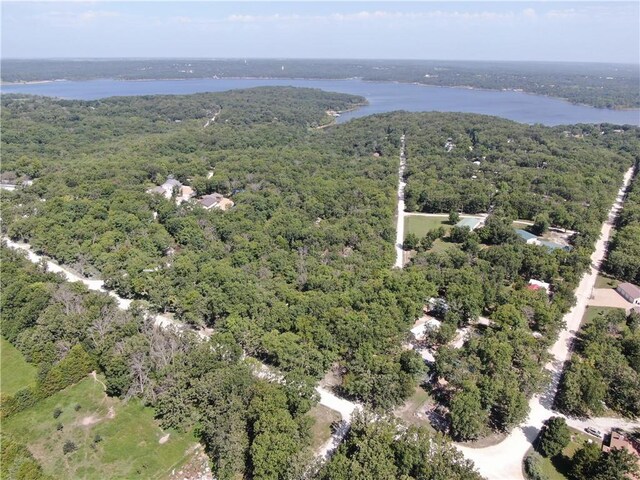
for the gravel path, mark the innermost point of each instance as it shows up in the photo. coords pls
(400, 221)
(504, 460)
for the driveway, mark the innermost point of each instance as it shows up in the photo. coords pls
(608, 297)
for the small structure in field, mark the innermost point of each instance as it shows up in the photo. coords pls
(538, 284)
(471, 222)
(630, 292)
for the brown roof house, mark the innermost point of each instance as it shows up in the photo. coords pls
(630, 292)
(215, 200)
(622, 442)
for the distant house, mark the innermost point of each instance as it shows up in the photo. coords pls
(472, 223)
(186, 193)
(622, 442)
(166, 188)
(538, 284)
(554, 246)
(630, 292)
(532, 239)
(215, 200)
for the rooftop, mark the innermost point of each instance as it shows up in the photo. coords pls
(471, 222)
(630, 289)
(526, 236)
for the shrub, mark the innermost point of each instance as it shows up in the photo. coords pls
(69, 447)
(533, 467)
(57, 412)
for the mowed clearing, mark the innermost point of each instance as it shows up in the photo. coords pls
(16, 372)
(114, 439)
(420, 225)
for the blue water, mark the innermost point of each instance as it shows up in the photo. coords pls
(382, 97)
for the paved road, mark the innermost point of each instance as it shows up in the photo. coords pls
(504, 460)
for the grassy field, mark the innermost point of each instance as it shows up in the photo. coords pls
(414, 408)
(15, 372)
(521, 226)
(321, 429)
(604, 281)
(129, 445)
(420, 225)
(557, 468)
(592, 312)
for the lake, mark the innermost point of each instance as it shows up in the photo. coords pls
(382, 97)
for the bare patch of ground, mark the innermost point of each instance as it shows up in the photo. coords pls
(608, 297)
(164, 439)
(416, 408)
(196, 468)
(89, 420)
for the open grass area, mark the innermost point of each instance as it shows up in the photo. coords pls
(521, 225)
(557, 468)
(129, 437)
(15, 371)
(321, 429)
(420, 225)
(605, 281)
(592, 312)
(414, 408)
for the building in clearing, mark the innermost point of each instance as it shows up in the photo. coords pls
(528, 237)
(471, 223)
(215, 200)
(620, 441)
(532, 239)
(538, 284)
(167, 188)
(630, 292)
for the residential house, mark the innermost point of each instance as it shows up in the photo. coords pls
(538, 284)
(630, 292)
(167, 188)
(528, 237)
(215, 200)
(622, 442)
(532, 239)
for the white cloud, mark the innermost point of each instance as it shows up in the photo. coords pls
(67, 18)
(365, 15)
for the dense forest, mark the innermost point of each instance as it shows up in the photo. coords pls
(599, 85)
(298, 273)
(605, 368)
(623, 256)
(564, 174)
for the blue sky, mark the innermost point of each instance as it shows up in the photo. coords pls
(547, 31)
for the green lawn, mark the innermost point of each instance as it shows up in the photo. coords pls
(321, 429)
(557, 468)
(15, 372)
(604, 281)
(129, 448)
(592, 312)
(420, 225)
(521, 226)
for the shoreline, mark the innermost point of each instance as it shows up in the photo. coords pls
(466, 87)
